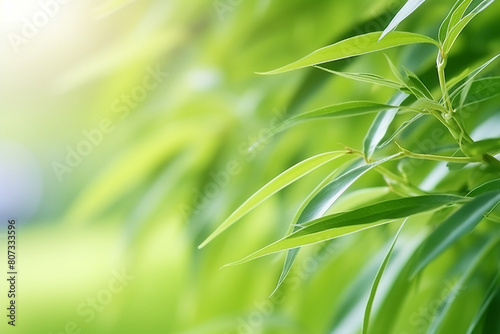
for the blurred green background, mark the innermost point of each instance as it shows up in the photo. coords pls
(130, 129)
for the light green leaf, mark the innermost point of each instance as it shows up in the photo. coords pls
(381, 124)
(401, 128)
(443, 29)
(355, 46)
(409, 7)
(365, 77)
(279, 182)
(455, 31)
(463, 221)
(417, 86)
(323, 200)
(337, 225)
(378, 277)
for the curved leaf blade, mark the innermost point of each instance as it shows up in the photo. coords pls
(279, 182)
(337, 225)
(355, 46)
(460, 223)
(409, 7)
(323, 200)
(381, 124)
(376, 282)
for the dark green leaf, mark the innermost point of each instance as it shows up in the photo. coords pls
(463, 221)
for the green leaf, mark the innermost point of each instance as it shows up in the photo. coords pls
(340, 224)
(323, 200)
(463, 221)
(381, 124)
(458, 14)
(471, 77)
(376, 282)
(492, 291)
(365, 77)
(417, 86)
(355, 46)
(444, 27)
(479, 90)
(484, 188)
(279, 182)
(345, 109)
(409, 7)
(401, 128)
(486, 146)
(455, 31)
(466, 278)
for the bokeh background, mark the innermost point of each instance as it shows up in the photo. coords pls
(130, 129)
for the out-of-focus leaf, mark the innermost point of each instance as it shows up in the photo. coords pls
(279, 182)
(457, 28)
(323, 200)
(376, 281)
(337, 225)
(472, 268)
(463, 221)
(492, 291)
(380, 124)
(478, 148)
(409, 7)
(355, 46)
(109, 7)
(365, 77)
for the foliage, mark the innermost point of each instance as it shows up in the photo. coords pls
(456, 212)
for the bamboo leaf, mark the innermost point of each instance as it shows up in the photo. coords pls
(365, 77)
(323, 200)
(341, 224)
(484, 188)
(381, 124)
(409, 7)
(279, 182)
(463, 221)
(355, 46)
(378, 277)
(455, 31)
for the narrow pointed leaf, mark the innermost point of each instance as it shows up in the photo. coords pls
(323, 200)
(366, 77)
(355, 46)
(484, 188)
(409, 7)
(472, 268)
(378, 277)
(457, 29)
(415, 82)
(443, 29)
(462, 222)
(471, 77)
(381, 124)
(337, 225)
(492, 291)
(289, 176)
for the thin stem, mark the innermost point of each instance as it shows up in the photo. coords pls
(441, 65)
(441, 158)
